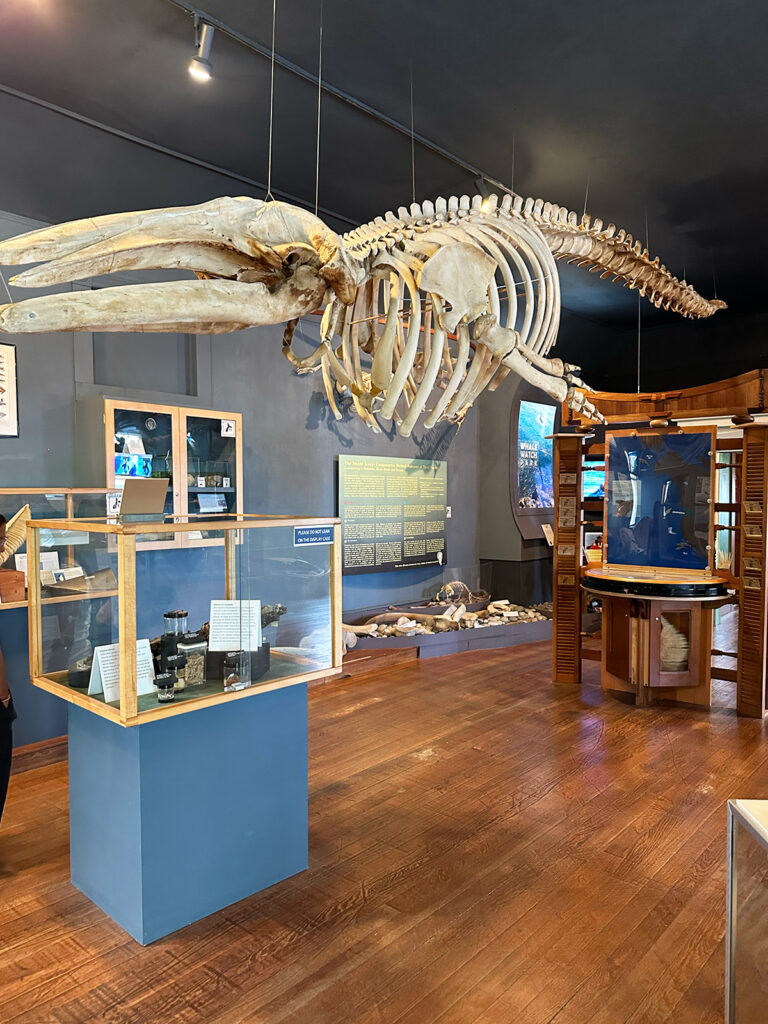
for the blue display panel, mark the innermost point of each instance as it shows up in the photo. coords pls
(534, 455)
(133, 465)
(658, 509)
(593, 482)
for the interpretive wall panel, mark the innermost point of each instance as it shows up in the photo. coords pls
(393, 513)
(533, 421)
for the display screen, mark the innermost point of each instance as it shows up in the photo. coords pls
(133, 465)
(534, 455)
(393, 513)
(593, 482)
(658, 510)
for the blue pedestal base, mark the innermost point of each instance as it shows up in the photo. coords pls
(173, 820)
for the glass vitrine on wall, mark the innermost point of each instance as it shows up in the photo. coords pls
(213, 456)
(143, 443)
(166, 627)
(199, 451)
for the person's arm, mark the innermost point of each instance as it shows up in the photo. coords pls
(5, 693)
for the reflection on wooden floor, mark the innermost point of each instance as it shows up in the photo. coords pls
(486, 848)
(751, 946)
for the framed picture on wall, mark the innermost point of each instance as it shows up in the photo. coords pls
(9, 410)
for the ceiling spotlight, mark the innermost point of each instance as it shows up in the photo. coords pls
(200, 65)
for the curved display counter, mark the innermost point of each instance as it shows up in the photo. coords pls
(604, 581)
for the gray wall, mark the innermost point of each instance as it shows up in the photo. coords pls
(519, 569)
(677, 353)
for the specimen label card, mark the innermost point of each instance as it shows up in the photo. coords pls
(49, 562)
(105, 672)
(235, 626)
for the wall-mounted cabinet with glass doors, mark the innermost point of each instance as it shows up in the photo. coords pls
(199, 451)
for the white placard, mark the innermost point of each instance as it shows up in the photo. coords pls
(114, 500)
(49, 562)
(201, 481)
(50, 576)
(235, 626)
(621, 490)
(105, 673)
(228, 428)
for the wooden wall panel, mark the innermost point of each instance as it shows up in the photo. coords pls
(751, 684)
(746, 392)
(617, 629)
(566, 586)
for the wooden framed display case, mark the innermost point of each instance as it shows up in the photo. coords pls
(50, 503)
(253, 605)
(200, 451)
(640, 597)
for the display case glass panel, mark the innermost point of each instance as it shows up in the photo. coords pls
(658, 508)
(249, 604)
(212, 472)
(747, 947)
(54, 503)
(78, 607)
(727, 493)
(143, 447)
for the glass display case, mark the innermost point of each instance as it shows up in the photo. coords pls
(199, 451)
(50, 503)
(143, 444)
(658, 500)
(143, 631)
(212, 463)
(746, 970)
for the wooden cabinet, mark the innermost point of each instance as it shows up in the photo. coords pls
(199, 450)
(657, 649)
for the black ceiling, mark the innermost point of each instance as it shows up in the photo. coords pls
(659, 108)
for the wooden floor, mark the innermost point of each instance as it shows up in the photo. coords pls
(486, 848)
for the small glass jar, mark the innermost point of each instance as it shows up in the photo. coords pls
(176, 622)
(79, 674)
(164, 681)
(195, 650)
(176, 663)
(175, 628)
(236, 675)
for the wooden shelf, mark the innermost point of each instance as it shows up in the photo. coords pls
(92, 595)
(148, 708)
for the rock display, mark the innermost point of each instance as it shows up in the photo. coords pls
(398, 624)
